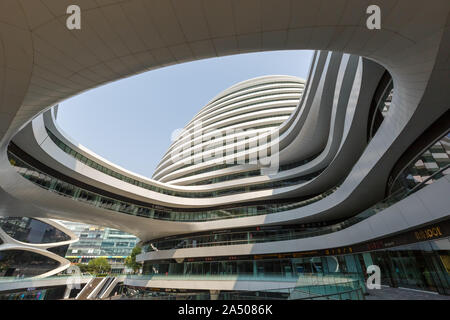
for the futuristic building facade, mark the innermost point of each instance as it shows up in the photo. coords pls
(33, 247)
(242, 117)
(330, 175)
(419, 266)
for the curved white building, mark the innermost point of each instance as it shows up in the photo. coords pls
(240, 118)
(360, 147)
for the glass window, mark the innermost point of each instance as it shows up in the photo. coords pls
(15, 263)
(31, 230)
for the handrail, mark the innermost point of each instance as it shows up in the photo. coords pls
(313, 290)
(432, 135)
(63, 188)
(420, 185)
(66, 189)
(309, 278)
(383, 204)
(34, 279)
(192, 194)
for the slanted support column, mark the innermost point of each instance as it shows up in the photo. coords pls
(214, 294)
(67, 292)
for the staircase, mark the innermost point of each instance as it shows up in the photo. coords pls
(88, 289)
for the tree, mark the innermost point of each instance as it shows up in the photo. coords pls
(84, 267)
(99, 265)
(130, 261)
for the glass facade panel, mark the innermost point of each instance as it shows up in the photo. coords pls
(425, 168)
(60, 250)
(21, 263)
(155, 212)
(269, 185)
(53, 293)
(416, 266)
(31, 230)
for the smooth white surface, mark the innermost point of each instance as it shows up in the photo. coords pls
(44, 63)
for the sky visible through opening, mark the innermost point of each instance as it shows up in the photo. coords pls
(130, 122)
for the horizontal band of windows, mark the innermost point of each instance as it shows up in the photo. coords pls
(213, 131)
(74, 192)
(197, 194)
(166, 161)
(213, 114)
(251, 89)
(283, 233)
(284, 167)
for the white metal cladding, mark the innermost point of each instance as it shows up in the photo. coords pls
(272, 98)
(44, 63)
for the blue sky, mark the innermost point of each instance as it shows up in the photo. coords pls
(130, 121)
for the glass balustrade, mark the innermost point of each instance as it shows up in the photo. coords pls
(308, 286)
(66, 189)
(198, 193)
(259, 236)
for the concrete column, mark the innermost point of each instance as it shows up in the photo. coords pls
(214, 294)
(67, 292)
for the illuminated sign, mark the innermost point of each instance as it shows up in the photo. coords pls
(429, 233)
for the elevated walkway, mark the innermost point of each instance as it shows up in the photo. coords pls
(13, 283)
